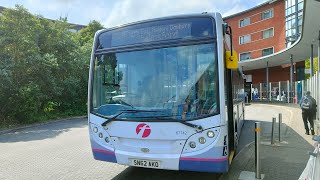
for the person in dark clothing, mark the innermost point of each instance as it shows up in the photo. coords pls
(308, 106)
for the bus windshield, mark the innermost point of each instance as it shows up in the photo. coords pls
(167, 83)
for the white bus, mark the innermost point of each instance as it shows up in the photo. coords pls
(160, 94)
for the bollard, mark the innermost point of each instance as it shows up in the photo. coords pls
(257, 150)
(272, 130)
(280, 122)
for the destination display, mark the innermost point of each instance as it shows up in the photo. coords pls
(150, 34)
(156, 31)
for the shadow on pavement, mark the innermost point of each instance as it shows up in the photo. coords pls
(41, 132)
(158, 174)
(285, 160)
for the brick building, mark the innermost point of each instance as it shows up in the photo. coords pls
(266, 29)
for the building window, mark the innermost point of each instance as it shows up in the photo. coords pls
(268, 51)
(244, 39)
(244, 22)
(267, 33)
(267, 14)
(245, 56)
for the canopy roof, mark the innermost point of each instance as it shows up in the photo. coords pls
(301, 49)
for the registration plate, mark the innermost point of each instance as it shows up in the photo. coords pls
(145, 163)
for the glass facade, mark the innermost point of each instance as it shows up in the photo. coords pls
(293, 13)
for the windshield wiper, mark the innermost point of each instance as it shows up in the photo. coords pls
(124, 111)
(171, 98)
(197, 127)
(125, 103)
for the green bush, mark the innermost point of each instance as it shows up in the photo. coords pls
(43, 67)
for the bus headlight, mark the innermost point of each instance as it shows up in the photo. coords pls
(210, 134)
(107, 139)
(192, 144)
(202, 140)
(95, 129)
(100, 135)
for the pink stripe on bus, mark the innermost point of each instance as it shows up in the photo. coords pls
(204, 159)
(103, 151)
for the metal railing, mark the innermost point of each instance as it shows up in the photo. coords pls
(313, 85)
(283, 92)
(277, 91)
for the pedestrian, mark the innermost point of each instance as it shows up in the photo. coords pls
(308, 106)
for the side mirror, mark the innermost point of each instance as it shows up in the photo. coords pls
(231, 61)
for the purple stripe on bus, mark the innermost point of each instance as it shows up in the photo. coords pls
(103, 151)
(204, 166)
(204, 159)
(104, 155)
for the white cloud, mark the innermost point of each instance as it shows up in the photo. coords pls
(235, 9)
(134, 10)
(127, 11)
(116, 12)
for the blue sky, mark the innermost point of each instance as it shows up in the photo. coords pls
(116, 12)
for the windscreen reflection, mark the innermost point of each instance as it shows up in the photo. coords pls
(168, 83)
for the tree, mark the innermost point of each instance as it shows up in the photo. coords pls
(86, 34)
(18, 50)
(43, 67)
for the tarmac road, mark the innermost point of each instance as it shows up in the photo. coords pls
(61, 150)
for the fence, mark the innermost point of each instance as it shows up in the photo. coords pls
(277, 91)
(313, 85)
(283, 92)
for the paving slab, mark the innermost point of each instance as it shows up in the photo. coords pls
(282, 160)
